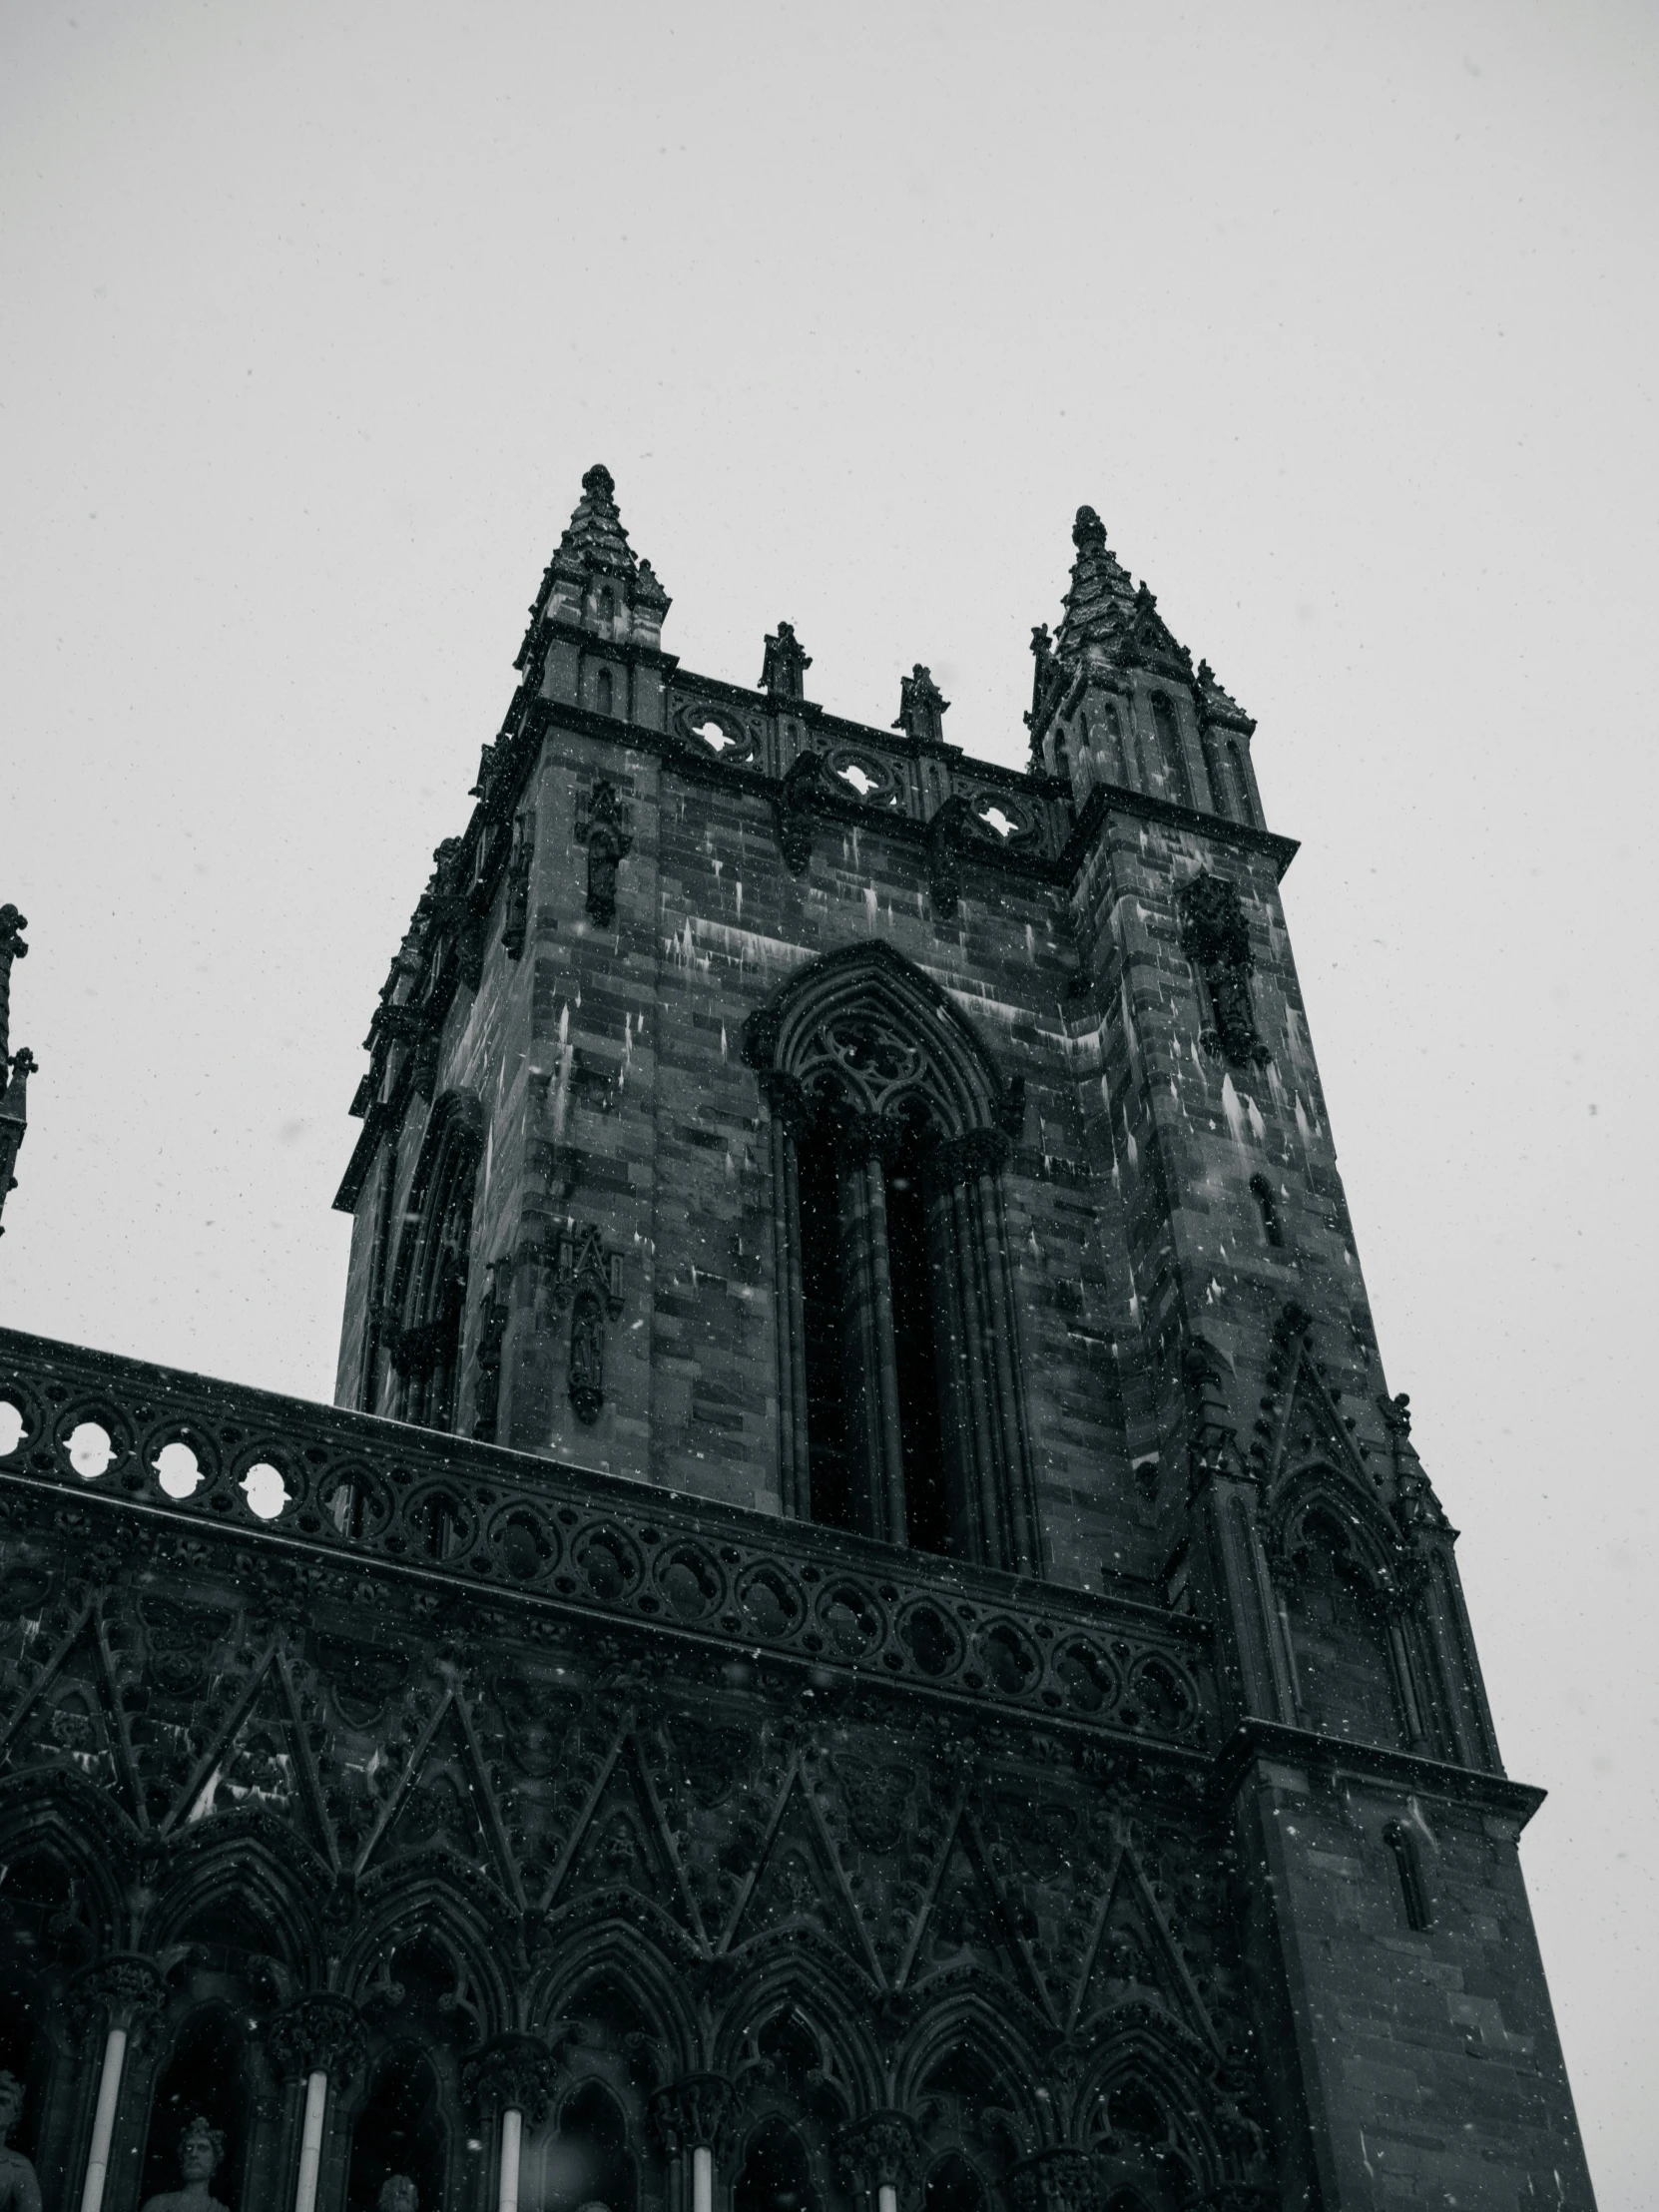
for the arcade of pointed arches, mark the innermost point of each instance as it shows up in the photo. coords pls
(620, 2060)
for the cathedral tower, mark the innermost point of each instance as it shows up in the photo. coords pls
(867, 1631)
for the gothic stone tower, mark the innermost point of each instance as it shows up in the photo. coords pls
(867, 1632)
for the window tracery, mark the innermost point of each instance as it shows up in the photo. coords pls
(434, 1267)
(903, 1407)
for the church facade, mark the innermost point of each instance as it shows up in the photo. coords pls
(865, 1633)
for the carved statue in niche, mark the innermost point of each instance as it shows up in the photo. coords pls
(491, 1331)
(516, 916)
(397, 2194)
(200, 2147)
(587, 1357)
(590, 1277)
(1216, 938)
(602, 826)
(19, 2189)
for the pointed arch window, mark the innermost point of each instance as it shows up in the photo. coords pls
(1169, 743)
(429, 1283)
(903, 1411)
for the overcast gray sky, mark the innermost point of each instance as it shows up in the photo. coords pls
(1344, 320)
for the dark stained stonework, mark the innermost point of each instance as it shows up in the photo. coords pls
(866, 1631)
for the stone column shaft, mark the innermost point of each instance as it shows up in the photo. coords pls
(103, 2124)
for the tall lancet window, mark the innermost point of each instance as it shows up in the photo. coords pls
(901, 1409)
(429, 1283)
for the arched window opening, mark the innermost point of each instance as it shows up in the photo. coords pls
(399, 2130)
(580, 2163)
(604, 692)
(777, 2175)
(42, 1921)
(1169, 743)
(927, 1516)
(1144, 2163)
(1241, 784)
(954, 2186)
(1212, 769)
(607, 603)
(1267, 1205)
(902, 1408)
(433, 1268)
(204, 2087)
(1413, 1886)
(974, 2103)
(1346, 1681)
(831, 1499)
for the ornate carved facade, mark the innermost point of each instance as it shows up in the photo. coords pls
(865, 1633)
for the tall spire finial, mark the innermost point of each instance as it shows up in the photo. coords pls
(595, 580)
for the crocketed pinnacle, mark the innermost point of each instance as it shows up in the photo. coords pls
(595, 538)
(1101, 600)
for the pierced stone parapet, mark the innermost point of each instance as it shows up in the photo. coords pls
(312, 1484)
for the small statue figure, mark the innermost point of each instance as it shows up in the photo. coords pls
(397, 2194)
(587, 1357)
(200, 2147)
(19, 2189)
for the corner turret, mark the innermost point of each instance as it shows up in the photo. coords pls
(596, 624)
(1116, 702)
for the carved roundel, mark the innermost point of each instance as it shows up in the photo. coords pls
(866, 775)
(718, 731)
(1000, 817)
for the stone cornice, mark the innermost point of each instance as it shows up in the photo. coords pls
(1259, 1740)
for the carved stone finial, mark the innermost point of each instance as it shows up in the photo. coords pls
(922, 709)
(1088, 532)
(12, 947)
(784, 671)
